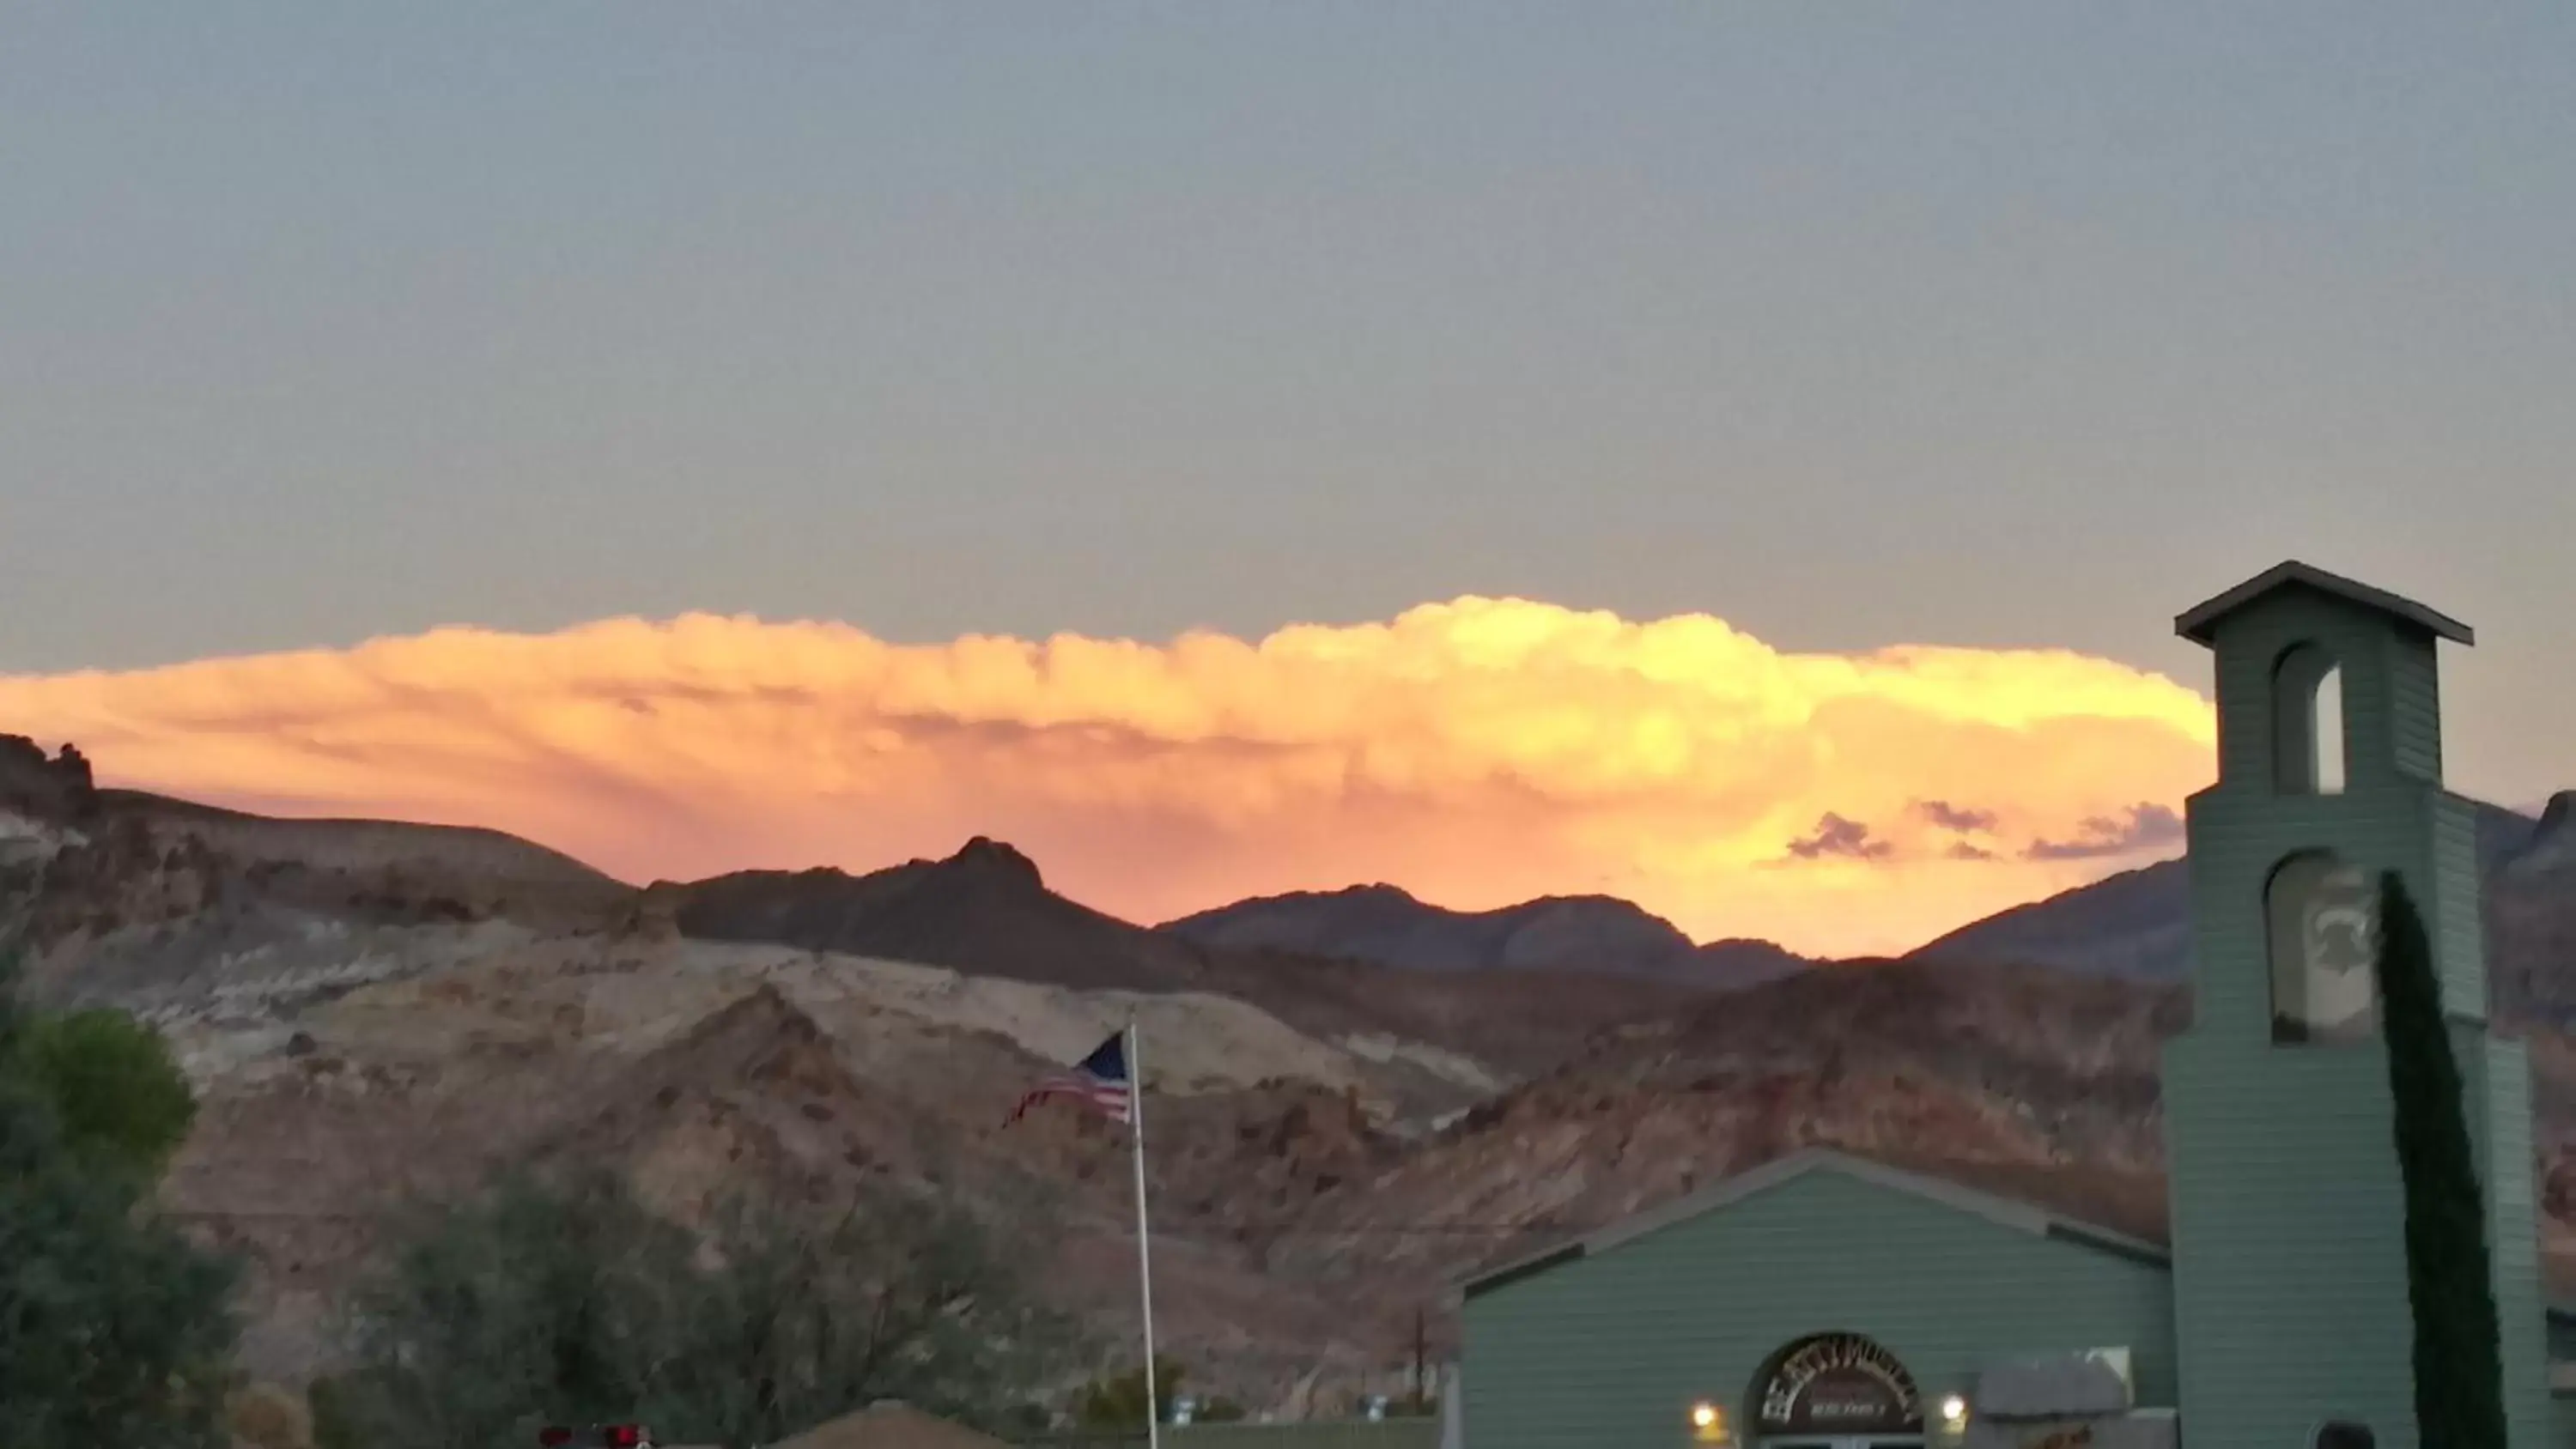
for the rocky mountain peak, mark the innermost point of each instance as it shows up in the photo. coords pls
(986, 857)
(2560, 813)
(60, 788)
(2553, 841)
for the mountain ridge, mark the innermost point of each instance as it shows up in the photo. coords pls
(1388, 925)
(370, 1014)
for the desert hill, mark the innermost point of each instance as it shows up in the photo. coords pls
(375, 1012)
(986, 911)
(1386, 925)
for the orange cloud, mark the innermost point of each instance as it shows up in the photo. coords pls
(1477, 752)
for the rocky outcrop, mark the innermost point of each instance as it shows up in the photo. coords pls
(2552, 848)
(59, 790)
(985, 908)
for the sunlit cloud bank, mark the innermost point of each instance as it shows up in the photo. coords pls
(1477, 752)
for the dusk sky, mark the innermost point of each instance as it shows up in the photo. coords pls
(1742, 457)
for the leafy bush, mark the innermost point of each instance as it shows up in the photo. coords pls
(113, 1328)
(1116, 1401)
(112, 1084)
(559, 1302)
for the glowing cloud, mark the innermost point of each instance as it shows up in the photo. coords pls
(1478, 752)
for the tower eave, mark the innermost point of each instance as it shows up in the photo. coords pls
(2201, 622)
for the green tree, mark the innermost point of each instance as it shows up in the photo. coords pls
(112, 1084)
(1116, 1401)
(569, 1302)
(536, 1303)
(813, 1315)
(114, 1329)
(2459, 1374)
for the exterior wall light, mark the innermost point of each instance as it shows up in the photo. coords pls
(1708, 1423)
(1954, 1413)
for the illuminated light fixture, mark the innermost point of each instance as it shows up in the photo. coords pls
(1954, 1411)
(1703, 1416)
(1708, 1423)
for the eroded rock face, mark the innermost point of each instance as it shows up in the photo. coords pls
(58, 790)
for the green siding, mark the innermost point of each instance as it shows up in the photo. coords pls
(2390, 708)
(2497, 1074)
(2453, 911)
(2237, 838)
(2415, 707)
(2290, 1301)
(1610, 1351)
(2290, 1272)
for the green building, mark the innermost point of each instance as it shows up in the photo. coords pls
(1826, 1302)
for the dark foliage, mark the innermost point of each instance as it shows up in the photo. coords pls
(1116, 1401)
(2459, 1375)
(569, 1302)
(113, 1328)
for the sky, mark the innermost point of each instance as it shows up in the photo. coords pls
(648, 348)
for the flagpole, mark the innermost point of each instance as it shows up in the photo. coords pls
(1144, 1251)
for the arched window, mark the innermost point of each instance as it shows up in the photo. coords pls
(2344, 1434)
(2307, 723)
(2323, 935)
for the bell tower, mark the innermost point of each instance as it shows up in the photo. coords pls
(2290, 1300)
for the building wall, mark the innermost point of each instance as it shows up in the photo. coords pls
(2497, 1074)
(1611, 1350)
(2288, 1210)
(2290, 1269)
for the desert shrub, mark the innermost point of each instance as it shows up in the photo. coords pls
(566, 1301)
(114, 1329)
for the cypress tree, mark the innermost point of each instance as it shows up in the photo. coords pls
(2459, 1371)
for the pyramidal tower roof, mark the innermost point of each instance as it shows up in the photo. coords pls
(2200, 623)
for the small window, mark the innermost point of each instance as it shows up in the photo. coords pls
(2307, 721)
(2322, 921)
(2344, 1434)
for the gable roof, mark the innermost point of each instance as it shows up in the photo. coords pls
(2009, 1212)
(2199, 623)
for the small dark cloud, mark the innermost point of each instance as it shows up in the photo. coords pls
(2147, 827)
(1955, 817)
(1836, 836)
(1962, 850)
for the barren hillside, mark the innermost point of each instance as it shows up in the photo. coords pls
(376, 1012)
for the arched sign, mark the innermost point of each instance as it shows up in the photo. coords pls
(1837, 1383)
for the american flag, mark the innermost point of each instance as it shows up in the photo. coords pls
(1098, 1081)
